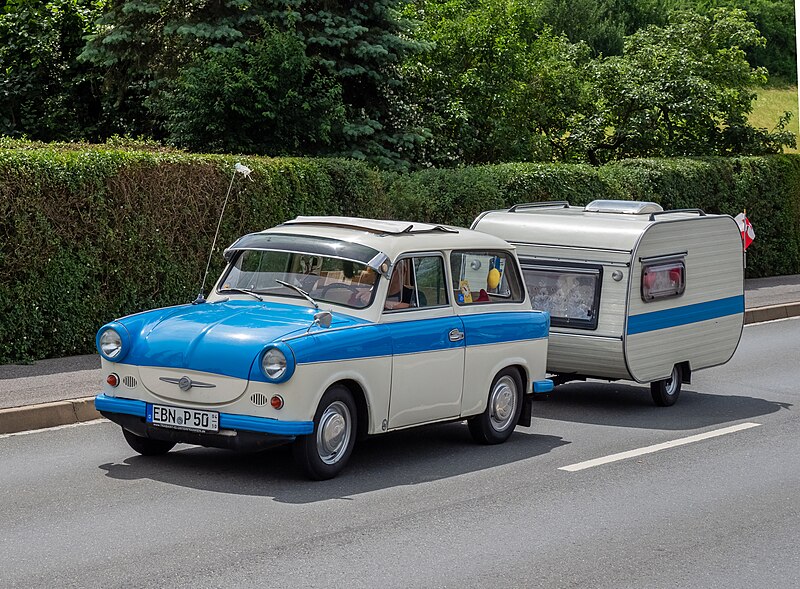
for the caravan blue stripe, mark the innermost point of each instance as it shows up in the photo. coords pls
(685, 315)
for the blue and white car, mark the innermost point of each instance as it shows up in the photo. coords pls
(325, 330)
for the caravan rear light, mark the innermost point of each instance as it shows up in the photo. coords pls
(660, 281)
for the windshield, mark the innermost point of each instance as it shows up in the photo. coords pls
(326, 279)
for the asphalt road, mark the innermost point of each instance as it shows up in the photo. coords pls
(427, 508)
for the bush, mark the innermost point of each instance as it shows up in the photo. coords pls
(93, 233)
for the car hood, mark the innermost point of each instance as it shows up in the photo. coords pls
(221, 338)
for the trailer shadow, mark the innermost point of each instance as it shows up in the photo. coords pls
(632, 406)
(408, 457)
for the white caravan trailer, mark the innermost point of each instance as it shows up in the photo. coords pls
(634, 292)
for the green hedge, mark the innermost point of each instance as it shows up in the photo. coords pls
(767, 187)
(91, 235)
(88, 234)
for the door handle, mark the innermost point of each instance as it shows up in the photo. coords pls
(455, 335)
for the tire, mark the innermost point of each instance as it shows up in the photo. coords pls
(666, 392)
(146, 446)
(323, 454)
(496, 424)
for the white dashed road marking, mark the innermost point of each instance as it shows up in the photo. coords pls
(657, 447)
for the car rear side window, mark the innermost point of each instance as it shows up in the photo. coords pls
(481, 276)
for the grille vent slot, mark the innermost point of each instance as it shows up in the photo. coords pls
(259, 399)
(129, 381)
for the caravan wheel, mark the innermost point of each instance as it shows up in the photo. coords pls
(665, 392)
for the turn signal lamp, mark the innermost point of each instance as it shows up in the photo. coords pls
(276, 401)
(112, 379)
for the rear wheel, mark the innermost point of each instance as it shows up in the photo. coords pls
(146, 446)
(496, 424)
(323, 454)
(666, 392)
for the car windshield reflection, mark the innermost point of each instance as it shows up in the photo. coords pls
(324, 278)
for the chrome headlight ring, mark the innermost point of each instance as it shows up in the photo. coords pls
(113, 341)
(277, 363)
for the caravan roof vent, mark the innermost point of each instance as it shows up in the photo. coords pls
(628, 207)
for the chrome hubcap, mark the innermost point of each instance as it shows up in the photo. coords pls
(333, 433)
(503, 403)
(671, 384)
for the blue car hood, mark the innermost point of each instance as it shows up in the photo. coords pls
(220, 338)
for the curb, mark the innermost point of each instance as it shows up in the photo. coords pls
(30, 417)
(771, 313)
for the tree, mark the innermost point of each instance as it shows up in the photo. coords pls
(362, 46)
(775, 21)
(146, 46)
(262, 97)
(141, 44)
(682, 89)
(603, 24)
(45, 93)
(499, 85)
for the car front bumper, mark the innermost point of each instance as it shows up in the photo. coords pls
(235, 431)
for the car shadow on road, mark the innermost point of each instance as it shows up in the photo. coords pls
(408, 457)
(631, 406)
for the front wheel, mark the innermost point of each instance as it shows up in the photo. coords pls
(496, 424)
(666, 392)
(323, 454)
(146, 446)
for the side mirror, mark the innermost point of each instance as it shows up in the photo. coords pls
(323, 319)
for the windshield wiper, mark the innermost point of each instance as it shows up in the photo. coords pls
(245, 291)
(300, 290)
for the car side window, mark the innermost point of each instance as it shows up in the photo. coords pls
(417, 282)
(485, 277)
(431, 281)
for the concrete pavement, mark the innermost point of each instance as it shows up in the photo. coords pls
(60, 391)
(776, 297)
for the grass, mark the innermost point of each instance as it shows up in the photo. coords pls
(770, 105)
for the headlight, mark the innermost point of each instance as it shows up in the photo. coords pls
(274, 363)
(113, 341)
(110, 344)
(277, 363)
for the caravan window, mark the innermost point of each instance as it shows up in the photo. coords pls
(663, 280)
(570, 294)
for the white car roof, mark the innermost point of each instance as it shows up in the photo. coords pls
(391, 237)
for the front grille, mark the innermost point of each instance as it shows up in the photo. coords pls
(129, 381)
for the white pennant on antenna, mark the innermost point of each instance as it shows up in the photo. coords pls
(244, 170)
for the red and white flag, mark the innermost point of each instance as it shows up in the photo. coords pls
(746, 228)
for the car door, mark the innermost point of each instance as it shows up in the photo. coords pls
(427, 344)
(491, 301)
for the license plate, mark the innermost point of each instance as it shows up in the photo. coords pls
(182, 418)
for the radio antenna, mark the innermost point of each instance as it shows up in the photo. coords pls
(244, 171)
